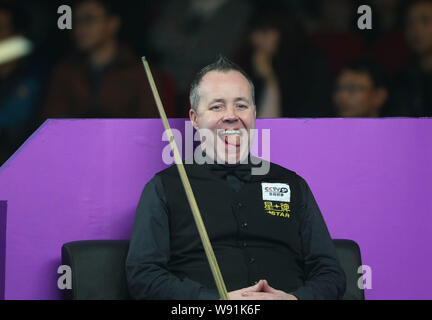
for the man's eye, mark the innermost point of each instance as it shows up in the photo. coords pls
(242, 106)
(215, 107)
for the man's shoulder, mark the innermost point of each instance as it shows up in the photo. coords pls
(277, 168)
(262, 168)
(192, 169)
(171, 170)
(275, 171)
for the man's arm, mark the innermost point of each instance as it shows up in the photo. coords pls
(325, 278)
(149, 252)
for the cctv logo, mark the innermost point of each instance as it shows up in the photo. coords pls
(276, 190)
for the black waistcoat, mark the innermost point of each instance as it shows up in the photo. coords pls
(252, 238)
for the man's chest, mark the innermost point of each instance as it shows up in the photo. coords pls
(260, 212)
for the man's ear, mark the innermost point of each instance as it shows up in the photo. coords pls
(193, 118)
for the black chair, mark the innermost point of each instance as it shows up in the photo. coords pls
(98, 269)
(349, 255)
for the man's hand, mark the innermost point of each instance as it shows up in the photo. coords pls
(265, 45)
(269, 293)
(239, 294)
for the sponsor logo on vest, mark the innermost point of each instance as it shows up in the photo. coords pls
(276, 192)
(278, 209)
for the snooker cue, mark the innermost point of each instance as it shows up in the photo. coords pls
(220, 284)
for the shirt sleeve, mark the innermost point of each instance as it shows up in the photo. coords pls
(149, 252)
(325, 278)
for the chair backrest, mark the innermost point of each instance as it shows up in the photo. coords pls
(350, 259)
(98, 269)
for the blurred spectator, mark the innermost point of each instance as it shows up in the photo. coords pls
(412, 93)
(20, 82)
(292, 79)
(387, 13)
(104, 78)
(189, 34)
(265, 43)
(360, 90)
(336, 33)
(386, 39)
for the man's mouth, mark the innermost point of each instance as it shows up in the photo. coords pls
(231, 137)
(224, 133)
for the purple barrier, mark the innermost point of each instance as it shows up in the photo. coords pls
(81, 179)
(3, 212)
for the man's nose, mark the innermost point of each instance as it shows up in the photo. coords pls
(230, 114)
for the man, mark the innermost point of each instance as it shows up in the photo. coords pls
(103, 78)
(360, 90)
(269, 245)
(412, 92)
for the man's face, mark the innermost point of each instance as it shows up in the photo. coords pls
(419, 28)
(93, 26)
(227, 110)
(355, 95)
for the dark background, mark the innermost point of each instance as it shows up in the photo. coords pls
(319, 39)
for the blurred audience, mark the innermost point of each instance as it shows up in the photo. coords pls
(336, 32)
(189, 34)
(361, 90)
(21, 81)
(265, 44)
(292, 78)
(386, 40)
(412, 92)
(292, 67)
(104, 78)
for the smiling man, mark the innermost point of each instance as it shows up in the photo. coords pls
(223, 110)
(267, 232)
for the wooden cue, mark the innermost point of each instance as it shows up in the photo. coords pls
(220, 284)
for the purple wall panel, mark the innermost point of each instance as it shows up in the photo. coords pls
(3, 216)
(81, 179)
